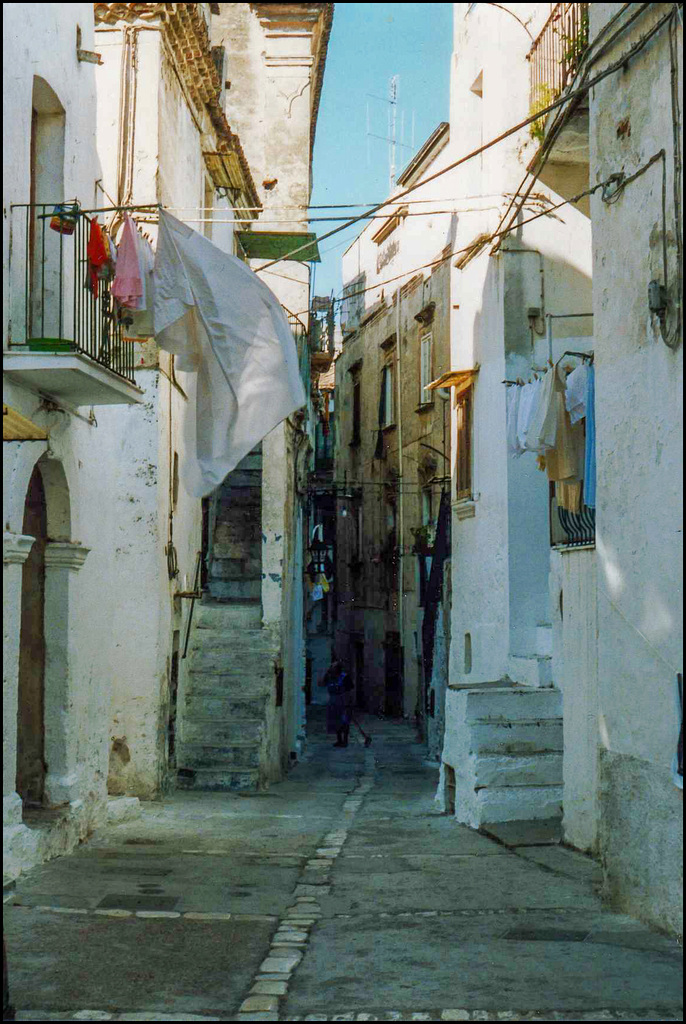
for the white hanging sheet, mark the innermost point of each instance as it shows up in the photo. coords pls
(230, 334)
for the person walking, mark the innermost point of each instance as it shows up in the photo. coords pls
(341, 696)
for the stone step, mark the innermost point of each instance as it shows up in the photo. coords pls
(234, 661)
(218, 780)
(232, 707)
(501, 771)
(531, 738)
(216, 732)
(232, 638)
(520, 803)
(243, 568)
(236, 755)
(256, 675)
(243, 476)
(230, 615)
(511, 705)
(237, 590)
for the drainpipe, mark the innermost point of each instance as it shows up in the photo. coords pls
(401, 506)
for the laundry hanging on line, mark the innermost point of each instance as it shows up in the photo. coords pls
(101, 254)
(133, 282)
(555, 418)
(231, 336)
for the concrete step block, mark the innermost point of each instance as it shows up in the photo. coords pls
(222, 661)
(500, 771)
(250, 462)
(511, 705)
(228, 615)
(238, 707)
(216, 780)
(237, 755)
(233, 639)
(238, 568)
(237, 590)
(237, 680)
(217, 732)
(517, 737)
(523, 803)
(535, 672)
(243, 476)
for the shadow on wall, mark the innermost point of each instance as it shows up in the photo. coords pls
(508, 343)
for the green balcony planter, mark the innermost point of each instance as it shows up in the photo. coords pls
(50, 345)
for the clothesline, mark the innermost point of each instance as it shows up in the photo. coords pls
(546, 417)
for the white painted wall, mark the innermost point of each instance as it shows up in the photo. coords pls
(640, 467)
(41, 40)
(501, 552)
(170, 169)
(574, 605)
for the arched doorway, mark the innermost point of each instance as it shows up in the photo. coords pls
(31, 767)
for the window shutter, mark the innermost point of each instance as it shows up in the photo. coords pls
(425, 396)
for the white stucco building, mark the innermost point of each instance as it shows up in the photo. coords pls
(123, 107)
(67, 616)
(569, 639)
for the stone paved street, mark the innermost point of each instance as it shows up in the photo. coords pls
(339, 895)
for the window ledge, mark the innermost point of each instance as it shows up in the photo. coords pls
(465, 508)
(390, 428)
(425, 406)
(566, 548)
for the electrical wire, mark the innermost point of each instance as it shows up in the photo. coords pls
(590, 58)
(614, 179)
(569, 97)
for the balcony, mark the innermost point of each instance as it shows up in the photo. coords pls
(63, 342)
(554, 60)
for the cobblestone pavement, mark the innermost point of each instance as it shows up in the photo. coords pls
(333, 896)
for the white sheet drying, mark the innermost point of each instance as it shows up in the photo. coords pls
(230, 333)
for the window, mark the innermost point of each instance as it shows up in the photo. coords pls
(208, 204)
(357, 411)
(426, 368)
(387, 385)
(427, 507)
(463, 471)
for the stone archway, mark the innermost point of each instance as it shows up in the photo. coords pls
(30, 767)
(40, 501)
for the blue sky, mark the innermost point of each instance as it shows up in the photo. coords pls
(369, 44)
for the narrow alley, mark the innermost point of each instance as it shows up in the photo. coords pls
(341, 894)
(343, 511)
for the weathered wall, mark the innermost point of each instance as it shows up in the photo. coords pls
(41, 41)
(501, 537)
(168, 168)
(370, 575)
(640, 459)
(271, 69)
(574, 606)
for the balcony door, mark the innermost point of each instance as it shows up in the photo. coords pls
(50, 256)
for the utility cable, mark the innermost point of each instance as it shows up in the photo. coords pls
(560, 102)
(614, 179)
(584, 69)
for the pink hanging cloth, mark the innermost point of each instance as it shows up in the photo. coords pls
(127, 287)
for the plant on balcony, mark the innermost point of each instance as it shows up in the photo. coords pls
(543, 96)
(576, 45)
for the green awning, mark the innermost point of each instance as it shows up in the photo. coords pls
(274, 245)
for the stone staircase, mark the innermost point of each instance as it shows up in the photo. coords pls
(503, 755)
(228, 680)
(227, 695)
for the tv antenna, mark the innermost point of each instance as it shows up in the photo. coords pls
(392, 138)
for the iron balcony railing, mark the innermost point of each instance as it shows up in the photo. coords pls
(51, 309)
(557, 52)
(570, 529)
